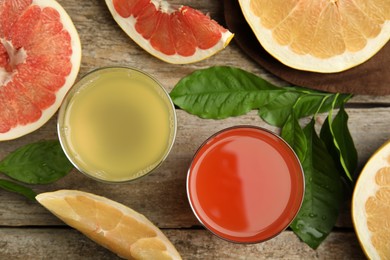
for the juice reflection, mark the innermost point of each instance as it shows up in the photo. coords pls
(227, 191)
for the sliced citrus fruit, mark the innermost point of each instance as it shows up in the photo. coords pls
(371, 205)
(109, 223)
(175, 35)
(40, 56)
(321, 36)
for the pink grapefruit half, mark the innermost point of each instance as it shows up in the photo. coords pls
(175, 35)
(40, 55)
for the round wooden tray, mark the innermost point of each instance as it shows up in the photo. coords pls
(369, 78)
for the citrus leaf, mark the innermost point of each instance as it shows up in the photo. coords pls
(310, 102)
(323, 192)
(344, 142)
(17, 188)
(37, 163)
(220, 92)
(277, 110)
(339, 142)
(293, 134)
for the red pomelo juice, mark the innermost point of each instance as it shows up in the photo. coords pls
(245, 184)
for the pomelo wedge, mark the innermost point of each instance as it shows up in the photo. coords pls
(175, 35)
(371, 205)
(40, 57)
(109, 223)
(321, 36)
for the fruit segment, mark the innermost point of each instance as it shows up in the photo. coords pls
(160, 26)
(322, 35)
(175, 35)
(332, 28)
(378, 212)
(9, 14)
(185, 43)
(39, 55)
(206, 35)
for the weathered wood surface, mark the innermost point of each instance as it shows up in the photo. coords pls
(27, 229)
(46, 243)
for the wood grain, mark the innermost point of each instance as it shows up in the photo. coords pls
(192, 244)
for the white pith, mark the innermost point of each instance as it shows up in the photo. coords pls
(128, 25)
(364, 188)
(308, 62)
(16, 57)
(62, 194)
(163, 6)
(21, 130)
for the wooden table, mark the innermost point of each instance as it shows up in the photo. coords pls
(28, 231)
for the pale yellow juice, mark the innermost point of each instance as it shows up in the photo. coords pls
(118, 125)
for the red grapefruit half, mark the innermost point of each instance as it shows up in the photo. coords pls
(175, 35)
(40, 55)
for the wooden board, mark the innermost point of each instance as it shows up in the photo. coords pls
(191, 243)
(161, 196)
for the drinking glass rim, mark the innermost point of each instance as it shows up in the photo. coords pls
(70, 94)
(244, 127)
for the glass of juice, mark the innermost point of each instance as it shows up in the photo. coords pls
(117, 124)
(245, 184)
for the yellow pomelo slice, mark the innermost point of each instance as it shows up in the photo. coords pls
(319, 35)
(109, 223)
(371, 205)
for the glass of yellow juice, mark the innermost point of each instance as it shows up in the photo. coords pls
(117, 124)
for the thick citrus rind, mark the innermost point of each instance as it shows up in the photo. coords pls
(21, 130)
(128, 26)
(308, 62)
(364, 188)
(54, 202)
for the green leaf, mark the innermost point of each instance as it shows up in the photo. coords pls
(323, 192)
(338, 140)
(220, 92)
(38, 163)
(17, 188)
(293, 134)
(304, 103)
(277, 110)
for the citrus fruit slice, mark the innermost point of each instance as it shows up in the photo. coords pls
(109, 223)
(371, 205)
(40, 56)
(321, 36)
(175, 35)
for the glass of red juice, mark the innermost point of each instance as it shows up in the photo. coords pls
(245, 184)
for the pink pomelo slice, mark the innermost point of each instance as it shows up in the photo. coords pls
(175, 35)
(40, 56)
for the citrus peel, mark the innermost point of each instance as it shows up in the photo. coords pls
(110, 224)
